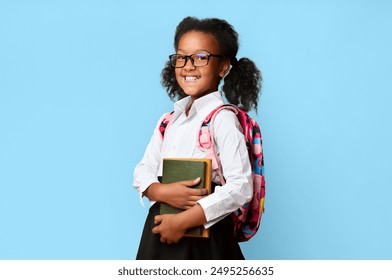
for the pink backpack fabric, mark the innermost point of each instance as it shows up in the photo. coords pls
(247, 218)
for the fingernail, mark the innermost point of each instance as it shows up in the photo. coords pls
(197, 179)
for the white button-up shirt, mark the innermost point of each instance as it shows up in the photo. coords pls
(180, 142)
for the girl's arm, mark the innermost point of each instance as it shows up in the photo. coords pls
(172, 227)
(146, 171)
(180, 195)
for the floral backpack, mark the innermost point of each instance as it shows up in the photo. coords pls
(247, 218)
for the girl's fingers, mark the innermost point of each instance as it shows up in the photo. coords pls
(195, 198)
(190, 183)
(158, 219)
(200, 191)
(197, 192)
(189, 205)
(192, 202)
(155, 230)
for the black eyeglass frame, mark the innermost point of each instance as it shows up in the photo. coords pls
(192, 60)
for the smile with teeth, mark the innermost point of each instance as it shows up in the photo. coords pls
(191, 78)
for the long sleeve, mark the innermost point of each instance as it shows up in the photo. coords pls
(146, 172)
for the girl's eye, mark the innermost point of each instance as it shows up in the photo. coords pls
(181, 57)
(201, 56)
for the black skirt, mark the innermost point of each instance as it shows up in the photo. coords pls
(219, 246)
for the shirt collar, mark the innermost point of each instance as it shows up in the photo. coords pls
(201, 106)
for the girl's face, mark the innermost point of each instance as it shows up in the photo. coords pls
(199, 81)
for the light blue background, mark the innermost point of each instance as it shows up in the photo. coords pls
(80, 95)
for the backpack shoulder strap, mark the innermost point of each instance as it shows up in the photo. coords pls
(205, 141)
(165, 122)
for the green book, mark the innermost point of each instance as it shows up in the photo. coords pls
(181, 169)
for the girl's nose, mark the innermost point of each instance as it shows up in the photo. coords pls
(189, 64)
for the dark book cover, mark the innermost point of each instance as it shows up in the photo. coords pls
(180, 169)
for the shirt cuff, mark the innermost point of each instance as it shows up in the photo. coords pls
(214, 221)
(212, 211)
(213, 205)
(144, 184)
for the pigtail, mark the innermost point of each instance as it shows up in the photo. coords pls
(242, 84)
(169, 81)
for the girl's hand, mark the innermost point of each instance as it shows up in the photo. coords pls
(180, 194)
(172, 227)
(169, 228)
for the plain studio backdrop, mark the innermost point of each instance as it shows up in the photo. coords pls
(80, 96)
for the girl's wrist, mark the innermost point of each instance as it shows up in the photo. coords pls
(191, 218)
(153, 192)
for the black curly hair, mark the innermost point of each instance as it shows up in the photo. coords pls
(242, 84)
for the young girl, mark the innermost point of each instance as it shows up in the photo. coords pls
(205, 55)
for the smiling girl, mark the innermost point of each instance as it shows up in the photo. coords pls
(205, 56)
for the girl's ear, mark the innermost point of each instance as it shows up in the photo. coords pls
(224, 67)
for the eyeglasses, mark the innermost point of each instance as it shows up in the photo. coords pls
(197, 59)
